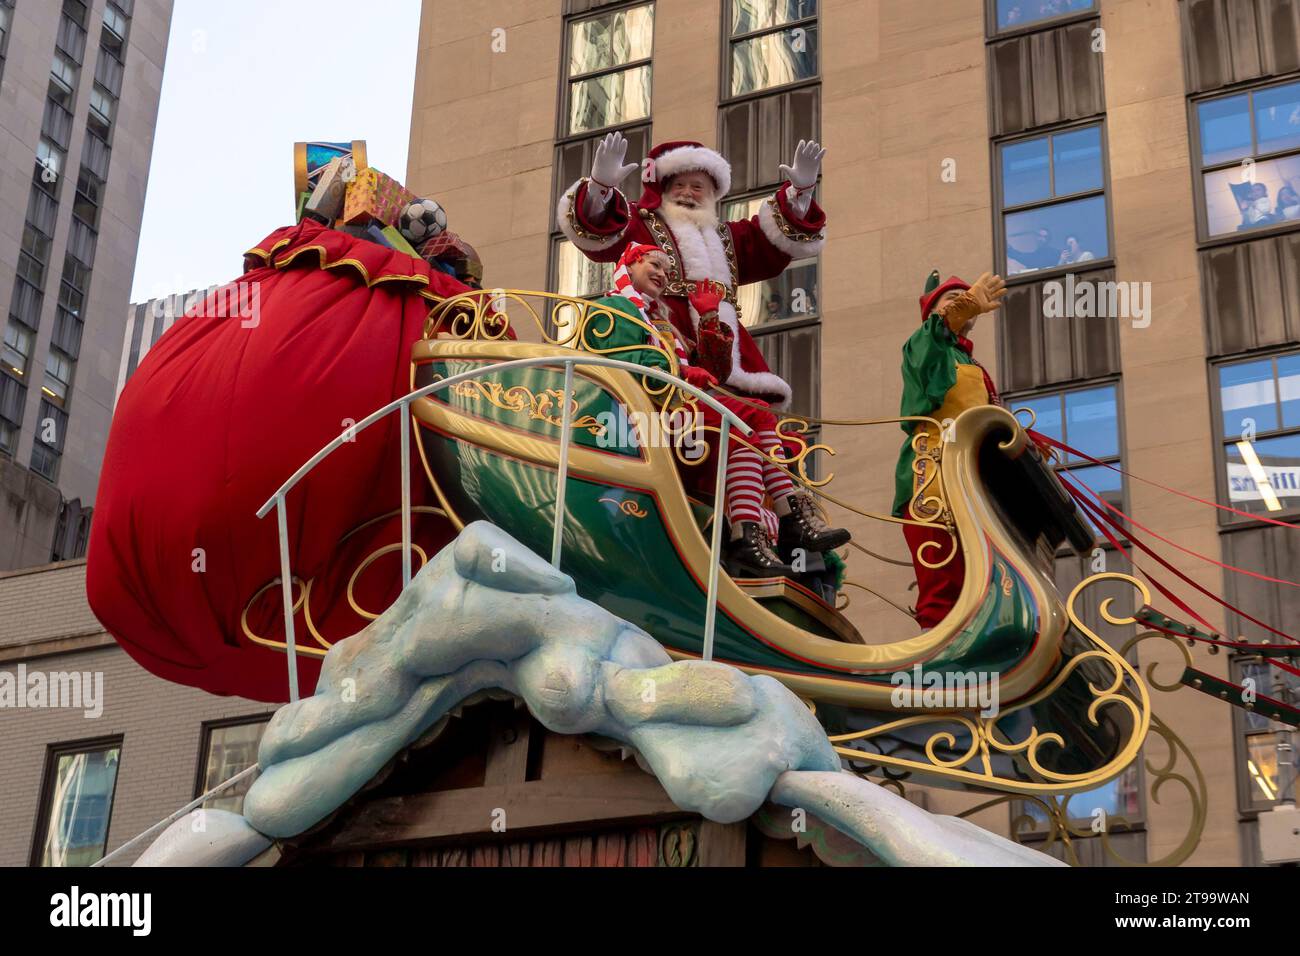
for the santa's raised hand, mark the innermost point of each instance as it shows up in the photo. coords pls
(607, 167)
(806, 167)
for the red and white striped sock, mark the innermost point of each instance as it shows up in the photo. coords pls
(744, 486)
(777, 482)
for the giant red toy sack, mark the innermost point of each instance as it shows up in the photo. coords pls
(316, 335)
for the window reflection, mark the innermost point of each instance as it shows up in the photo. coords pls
(1066, 167)
(577, 276)
(612, 40)
(1259, 402)
(80, 805)
(774, 59)
(1086, 419)
(1242, 198)
(1247, 391)
(748, 16)
(1026, 172)
(1225, 130)
(1020, 13)
(1264, 474)
(1056, 235)
(1122, 797)
(230, 750)
(791, 295)
(1277, 118)
(609, 100)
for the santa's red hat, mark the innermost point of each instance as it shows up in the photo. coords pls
(934, 291)
(681, 156)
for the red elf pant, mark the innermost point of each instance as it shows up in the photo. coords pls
(937, 588)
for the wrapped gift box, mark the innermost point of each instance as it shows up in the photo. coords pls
(374, 197)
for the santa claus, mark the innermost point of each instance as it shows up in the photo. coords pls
(677, 211)
(707, 260)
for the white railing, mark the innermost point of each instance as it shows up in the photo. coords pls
(403, 407)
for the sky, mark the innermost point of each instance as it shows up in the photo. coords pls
(244, 80)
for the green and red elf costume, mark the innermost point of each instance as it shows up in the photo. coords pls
(941, 379)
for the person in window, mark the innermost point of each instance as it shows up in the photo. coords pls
(1252, 200)
(941, 379)
(1041, 254)
(1288, 204)
(1073, 252)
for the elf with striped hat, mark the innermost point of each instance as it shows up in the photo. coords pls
(941, 379)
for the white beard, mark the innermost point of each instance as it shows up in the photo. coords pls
(702, 217)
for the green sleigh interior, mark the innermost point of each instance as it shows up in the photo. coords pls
(628, 548)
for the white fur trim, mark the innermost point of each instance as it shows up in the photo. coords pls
(754, 383)
(774, 235)
(562, 213)
(701, 249)
(685, 158)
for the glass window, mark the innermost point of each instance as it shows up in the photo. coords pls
(1053, 200)
(577, 276)
(1250, 159)
(1056, 235)
(1026, 172)
(1259, 418)
(1014, 14)
(58, 373)
(1076, 161)
(609, 69)
(609, 99)
(49, 160)
(771, 43)
(17, 347)
(115, 21)
(1257, 751)
(791, 295)
(228, 750)
(113, 37)
(77, 806)
(1225, 129)
(1086, 419)
(64, 72)
(101, 105)
(611, 40)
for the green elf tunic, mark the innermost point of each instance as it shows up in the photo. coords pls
(626, 333)
(940, 380)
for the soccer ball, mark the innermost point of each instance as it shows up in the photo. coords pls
(422, 220)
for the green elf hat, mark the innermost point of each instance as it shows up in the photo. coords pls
(934, 291)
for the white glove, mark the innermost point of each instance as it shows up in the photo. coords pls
(607, 171)
(807, 165)
(608, 168)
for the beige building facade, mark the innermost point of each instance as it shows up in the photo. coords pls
(1104, 140)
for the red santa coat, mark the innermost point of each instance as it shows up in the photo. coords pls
(735, 253)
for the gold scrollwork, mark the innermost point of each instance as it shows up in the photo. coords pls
(1123, 689)
(538, 406)
(628, 506)
(567, 322)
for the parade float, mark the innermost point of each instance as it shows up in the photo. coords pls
(353, 486)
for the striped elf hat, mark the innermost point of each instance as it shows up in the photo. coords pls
(633, 254)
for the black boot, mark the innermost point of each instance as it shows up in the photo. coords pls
(804, 528)
(752, 556)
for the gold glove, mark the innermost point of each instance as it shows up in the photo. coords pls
(985, 295)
